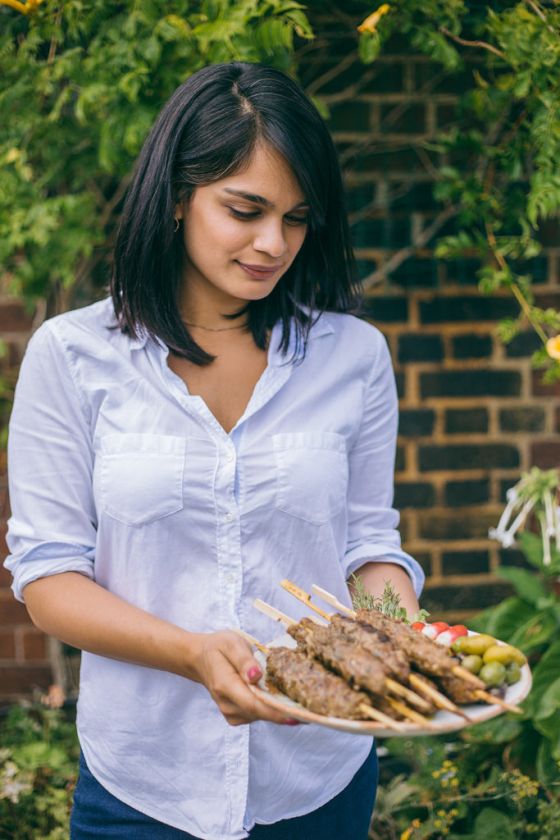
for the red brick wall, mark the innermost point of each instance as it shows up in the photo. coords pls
(24, 662)
(473, 413)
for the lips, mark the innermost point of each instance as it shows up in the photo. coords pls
(260, 272)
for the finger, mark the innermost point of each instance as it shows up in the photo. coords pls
(241, 657)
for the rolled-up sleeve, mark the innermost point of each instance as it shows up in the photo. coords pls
(372, 521)
(52, 528)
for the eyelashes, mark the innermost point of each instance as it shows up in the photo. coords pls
(292, 220)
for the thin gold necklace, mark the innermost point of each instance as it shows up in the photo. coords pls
(215, 329)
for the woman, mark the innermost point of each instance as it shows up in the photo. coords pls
(216, 425)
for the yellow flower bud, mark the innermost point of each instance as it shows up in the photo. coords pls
(553, 347)
(370, 23)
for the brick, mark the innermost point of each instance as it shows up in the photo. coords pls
(470, 383)
(514, 557)
(403, 118)
(392, 160)
(465, 457)
(387, 79)
(415, 347)
(35, 645)
(418, 197)
(455, 526)
(523, 344)
(7, 644)
(472, 346)
(359, 196)
(400, 459)
(416, 272)
(466, 308)
(388, 310)
(446, 116)
(13, 612)
(463, 271)
(22, 680)
(400, 379)
(431, 77)
(536, 267)
(425, 560)
(474, 597)
(540, 389)
(414, 495)
(546, 454)
(505, 485)
(465, 562)
(548, 233)
(349, 116)
(416, 421)
(522, 419)
(459, 493)
(390, 233)
(459, 420)
(14, 318)
(557, 419)
(365, 268)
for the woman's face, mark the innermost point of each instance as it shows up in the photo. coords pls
(257, 218)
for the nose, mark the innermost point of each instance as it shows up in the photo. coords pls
(270, 238)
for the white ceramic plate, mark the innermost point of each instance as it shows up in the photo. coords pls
(441, 721)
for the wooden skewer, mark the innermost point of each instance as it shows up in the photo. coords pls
(410, 714)
(391, 684)
(375, 714)
(440, 700)
(301, 595)
(497, 701)
(251, 639)
(332, 600)
(278, 615)
(459, 671)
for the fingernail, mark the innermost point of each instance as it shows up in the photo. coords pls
(254, 673)
(291, 722)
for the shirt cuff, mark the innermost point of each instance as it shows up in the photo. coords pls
(46, 560)
(377, 552)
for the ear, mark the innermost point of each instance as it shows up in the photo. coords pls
(178, 214)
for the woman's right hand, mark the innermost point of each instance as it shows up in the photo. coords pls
(225, 664)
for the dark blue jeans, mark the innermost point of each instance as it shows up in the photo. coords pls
(97, 813)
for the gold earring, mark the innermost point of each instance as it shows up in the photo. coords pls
(176, 228)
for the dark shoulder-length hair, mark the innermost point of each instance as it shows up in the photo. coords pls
(208, 130)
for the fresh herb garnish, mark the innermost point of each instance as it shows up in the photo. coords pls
(389, 603)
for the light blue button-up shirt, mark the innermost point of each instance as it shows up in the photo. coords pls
(118, 473)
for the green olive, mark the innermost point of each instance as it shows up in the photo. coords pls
(493, 674)
(476, 645)
(472, 663)
(513, 673)
(504, 654)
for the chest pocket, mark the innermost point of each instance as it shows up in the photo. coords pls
(311, 474)
(141, 476)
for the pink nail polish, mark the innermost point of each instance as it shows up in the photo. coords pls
(254, 673)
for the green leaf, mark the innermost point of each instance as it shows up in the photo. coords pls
(369, 46)
(500, 730)
(537, 631)
(527, 585)
(545, 674)
(492, 823)
(548, 770)
(503, 620)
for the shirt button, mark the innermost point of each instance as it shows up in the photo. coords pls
(230, 578)
(230, 456)
(229, 517)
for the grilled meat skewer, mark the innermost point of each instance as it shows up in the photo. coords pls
(309, 683)
(376, 642)
(341, 654)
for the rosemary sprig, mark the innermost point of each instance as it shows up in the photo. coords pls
(389, 603)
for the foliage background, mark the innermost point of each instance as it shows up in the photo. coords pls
(81, 84)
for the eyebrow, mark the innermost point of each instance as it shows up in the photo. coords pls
(259, 199)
